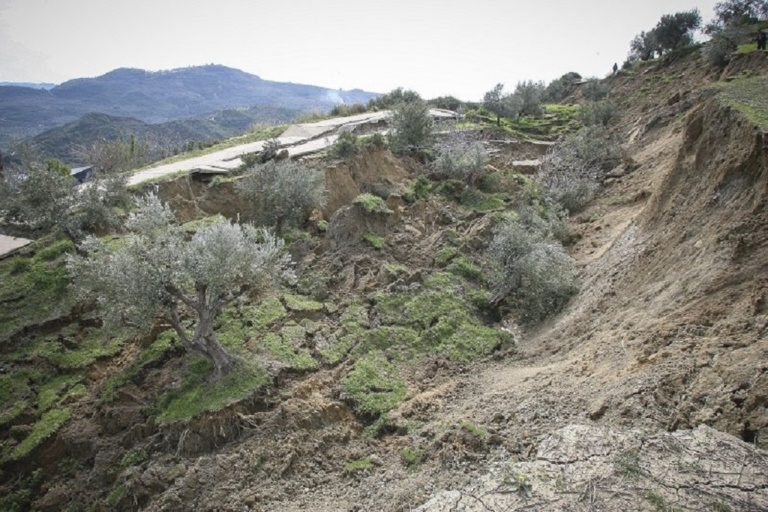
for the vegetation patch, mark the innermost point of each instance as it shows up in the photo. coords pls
(193, 225)
(374, 240)
(33, 290)
(282, 347)
(49, 393)
(372, 203)
(483, 202)
(45, 427)
(411, 457)
(358, 465)
(354, 322)
(74, 350)
(464, 267)
(749, 96)
(374, 385)
(165, 342)
(300, 303)
(198, 394)
(441, 318)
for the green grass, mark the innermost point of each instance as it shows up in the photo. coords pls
(749, 96)
(374, 240)
(281, 347)
(474, 429)
(73, 350)
(198, 395)
(483, 202)
(34, 289)
(374, 385)
(354, 322)
(165, 342)
(48, 394)
(747, 48)
(237, 324)
(194, 225)
(45, 427)
(357, 466)
(300, 303)
(441, 318)
(464, 267)
(371, 203)
(411, 457)
(133, 458)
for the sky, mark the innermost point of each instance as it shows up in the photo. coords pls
(436, 47)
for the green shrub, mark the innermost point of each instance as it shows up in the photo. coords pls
(573, 168)
(412, 128)
(594, 89)
(531, 269)
(376, 141)
(281, 193)
(411, 457)
(598, 113)
(346, 146)
(348, 110)
(465, 161)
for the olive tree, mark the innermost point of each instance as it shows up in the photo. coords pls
(281, 193)
(412, 128)
(573, 169)
(158, 271)
(42, 198)
(530, 268)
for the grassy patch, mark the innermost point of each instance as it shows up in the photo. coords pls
(133, 458)
(374, 385)
(55, 250)
(49, 393)
(411, 457)
(354, 322)
(483, 202)
(474, 429)
(747, 48)
(440, 318)
(33, 290)
(198, 395)
(371, 203)
(282, 347)
(358, 465)
(164, 343)
(749, 96)
(73, 350)
(45, 427)
(464, 267)
(374, 240)
(194, 225)
(445, 255)
(300, 303)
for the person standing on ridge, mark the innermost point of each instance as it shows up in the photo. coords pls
(762, 37)
(615, 68)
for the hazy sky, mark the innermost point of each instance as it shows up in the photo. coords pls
(433, 46)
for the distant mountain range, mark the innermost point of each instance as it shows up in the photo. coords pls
(30, 85)
(160, 97)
